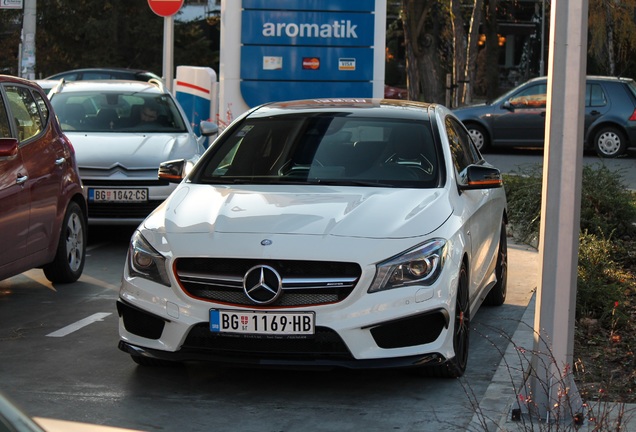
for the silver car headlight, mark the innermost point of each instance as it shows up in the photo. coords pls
(145, 262)
(420, 265)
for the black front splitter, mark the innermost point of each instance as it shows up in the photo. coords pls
(234, 359)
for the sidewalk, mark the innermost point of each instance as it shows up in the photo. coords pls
(495, 408)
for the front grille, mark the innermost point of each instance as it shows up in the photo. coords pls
(324, 344)
(305, 283)
(121, 210)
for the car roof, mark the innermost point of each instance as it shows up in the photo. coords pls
(105, 69)
(15, 79)
(153, 86)
(373, 107)
(589, 78)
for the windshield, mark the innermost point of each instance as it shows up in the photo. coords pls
(324, 149)
(117, 112)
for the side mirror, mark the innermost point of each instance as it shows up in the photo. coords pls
(174, 171)
(507, 105)
(208, 128)
(481, 177)
(8, 148)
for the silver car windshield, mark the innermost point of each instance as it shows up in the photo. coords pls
(117, 112)
(325, 149)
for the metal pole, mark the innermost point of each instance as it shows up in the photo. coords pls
(27, 64)
(168, 51)
(551, 393)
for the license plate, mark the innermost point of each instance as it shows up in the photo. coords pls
(118, 195)
(262, 323)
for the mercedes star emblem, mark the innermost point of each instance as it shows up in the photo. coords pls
(262, 284)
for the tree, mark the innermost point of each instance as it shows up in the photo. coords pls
(103, 33)
(471, 52)
(459, 49)
(10, 28)
(612, 36)
(427, 48)
(492, 49)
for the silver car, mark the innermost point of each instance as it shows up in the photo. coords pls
(122, 131)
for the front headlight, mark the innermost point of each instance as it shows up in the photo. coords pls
(420, 265)
(145, 262)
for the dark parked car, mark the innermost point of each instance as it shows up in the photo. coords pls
(104, 73)
(42, 205)
(517, 119)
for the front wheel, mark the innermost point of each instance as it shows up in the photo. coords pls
(610, 142)
(479, 136)
(456, 366)
(68, 264)
(497, 294)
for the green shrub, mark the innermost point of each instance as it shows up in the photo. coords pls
(600, 281)
(608, 213)
(606, 204)
(607, 207)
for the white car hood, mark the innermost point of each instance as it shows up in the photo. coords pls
(130, 150)
(362, 212)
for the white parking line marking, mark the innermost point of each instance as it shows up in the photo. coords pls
(94, 281)
(79, 324)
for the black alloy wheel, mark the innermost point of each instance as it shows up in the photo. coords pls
(497, 294)
(456, 366)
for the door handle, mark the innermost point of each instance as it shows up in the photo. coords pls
(59, 161)
(21, 179)
(594, 113)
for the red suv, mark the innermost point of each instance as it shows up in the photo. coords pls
(42, 205)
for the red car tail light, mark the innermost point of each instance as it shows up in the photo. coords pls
(633, 116)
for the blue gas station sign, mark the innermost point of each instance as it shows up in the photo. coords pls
(306, 28)
(306, 49)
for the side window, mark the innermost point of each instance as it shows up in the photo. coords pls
(44, 109)
(532, 97)
(24, 111)
(462, 149)
(595, 96)
(97, 76)
(5, 129)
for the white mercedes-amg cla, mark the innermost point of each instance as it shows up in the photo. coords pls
(355, 233)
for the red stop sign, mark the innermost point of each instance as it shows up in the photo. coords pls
(165, 8)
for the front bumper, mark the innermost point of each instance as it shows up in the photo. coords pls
(404, 335)
(310, 363)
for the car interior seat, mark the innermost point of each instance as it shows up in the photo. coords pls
(106, 119)
(73, 115)
(413, 156)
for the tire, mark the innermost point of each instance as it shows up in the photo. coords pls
(497, 294)
(479, 136)
(68, 264)
(456, 366)
(610, 142)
